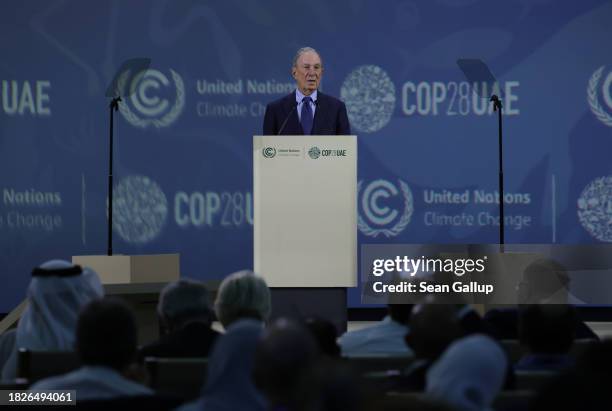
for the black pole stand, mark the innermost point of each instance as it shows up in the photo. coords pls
(114, 106)
(497, 106)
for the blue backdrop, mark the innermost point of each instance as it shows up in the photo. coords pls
(427, 144)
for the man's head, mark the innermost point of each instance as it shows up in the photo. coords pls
(433, 327)
(547, 328)
(106, 334)
(242, 295)
(182, 302)
(307, 70)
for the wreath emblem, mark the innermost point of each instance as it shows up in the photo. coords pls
(596, 107)
(166, 119)
(401, 224)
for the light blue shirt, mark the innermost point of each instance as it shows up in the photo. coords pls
(299, 97)
(93, 382)
(384, 338)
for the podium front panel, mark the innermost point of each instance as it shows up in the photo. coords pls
(305, 210)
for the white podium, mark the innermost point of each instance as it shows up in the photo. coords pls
(305, 217)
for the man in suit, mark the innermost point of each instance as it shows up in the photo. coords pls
(306, 110)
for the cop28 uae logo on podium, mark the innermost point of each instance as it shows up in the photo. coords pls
(384, 209)
(369, 95)
(597, 86)
(153, 99)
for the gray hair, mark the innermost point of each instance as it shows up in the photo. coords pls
(183, 300)
(302, 51)
(242, 294)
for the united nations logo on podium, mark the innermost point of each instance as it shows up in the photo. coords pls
(269, 152)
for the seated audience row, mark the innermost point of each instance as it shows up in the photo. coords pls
(286, 365)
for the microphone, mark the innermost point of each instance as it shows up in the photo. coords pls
(287, 118)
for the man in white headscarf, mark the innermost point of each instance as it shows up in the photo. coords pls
(469, 374)
(56, 293)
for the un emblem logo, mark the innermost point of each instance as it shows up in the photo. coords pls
(154, 100)
(595, 208)
(593, 99)
(314, 152)
(369, 95)
(140, 208)
(269, 152)
(376, 216)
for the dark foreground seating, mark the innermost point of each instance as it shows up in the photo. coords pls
(37, 365)
(177, 377)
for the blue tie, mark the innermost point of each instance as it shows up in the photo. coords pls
(306, 117)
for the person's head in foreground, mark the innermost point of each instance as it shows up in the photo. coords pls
(469, 375)
(284, 366)
(182, 302)
(433, 327)
(107, 335)
(242, 295)
(106, 338)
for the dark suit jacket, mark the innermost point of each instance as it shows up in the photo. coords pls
(193, 340)
(330, 117)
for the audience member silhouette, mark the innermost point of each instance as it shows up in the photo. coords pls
(336, 386)
(385, 337)
(433, 327)
(242, 295)
(57, 291)
(547, 331)
(106, 342)
(544, 281)
(185, 315)
(229, 384)
(285, 361)
(469, 374)
(325, 334)
(585, 387)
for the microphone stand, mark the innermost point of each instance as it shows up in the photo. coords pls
(497, 106)
(113, 106)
